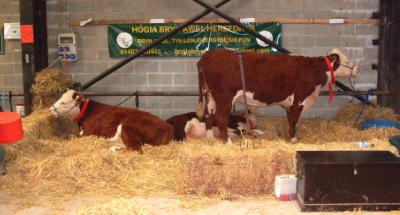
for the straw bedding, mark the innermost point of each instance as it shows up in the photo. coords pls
(53, 165)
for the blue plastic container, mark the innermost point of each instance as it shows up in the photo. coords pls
(379, 123)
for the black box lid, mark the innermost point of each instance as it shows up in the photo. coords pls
(324, 157)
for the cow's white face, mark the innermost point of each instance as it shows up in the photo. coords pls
(346, 68)
(67, 105)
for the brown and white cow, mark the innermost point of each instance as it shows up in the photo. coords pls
(293, 82)
(188, 126)
(133, 127)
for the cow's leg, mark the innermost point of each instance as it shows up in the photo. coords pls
(293, 117)
(131, 139)
(119, 145)
(223, 106)
(210, 122)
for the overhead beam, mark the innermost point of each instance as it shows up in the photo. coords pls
(220, 20)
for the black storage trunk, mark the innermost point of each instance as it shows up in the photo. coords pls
(344, 180)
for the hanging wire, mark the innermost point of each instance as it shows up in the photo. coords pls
(68, 15)
(126, 99)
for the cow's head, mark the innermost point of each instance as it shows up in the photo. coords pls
(342, 65)
(67, 105)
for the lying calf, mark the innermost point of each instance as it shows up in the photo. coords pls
(188, 126)
(133, 127)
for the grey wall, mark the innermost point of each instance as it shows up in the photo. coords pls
(179, 74)
(10, 62)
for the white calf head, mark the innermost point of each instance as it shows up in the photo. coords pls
(346, 68)
(67, 105)
(194, 129)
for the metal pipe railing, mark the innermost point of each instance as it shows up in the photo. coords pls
(196, 93)
(137, 94)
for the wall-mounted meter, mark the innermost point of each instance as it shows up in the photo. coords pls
(67, 47)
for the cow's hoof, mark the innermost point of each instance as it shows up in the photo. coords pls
(293, 139)
(229, 141)
(115, 148)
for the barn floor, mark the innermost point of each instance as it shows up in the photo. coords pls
(159, 206)
(51, 173)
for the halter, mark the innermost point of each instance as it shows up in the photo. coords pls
(83, 110)
(58, 114)
(347, 66)
(328, 62)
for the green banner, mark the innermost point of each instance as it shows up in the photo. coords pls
(1, 40)
(192, 41)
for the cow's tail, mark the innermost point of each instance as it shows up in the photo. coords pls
(200, 105)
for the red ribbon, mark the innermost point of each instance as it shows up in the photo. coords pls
(83, 110)
(328, 62)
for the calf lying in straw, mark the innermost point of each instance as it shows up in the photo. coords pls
(133, 127)
(188, 126)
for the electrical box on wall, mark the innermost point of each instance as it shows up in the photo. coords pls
(67, 47)
(12, 31)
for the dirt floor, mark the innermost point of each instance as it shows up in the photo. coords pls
(158, 206)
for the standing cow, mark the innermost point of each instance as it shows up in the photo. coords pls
(293, 82)
(133, 127)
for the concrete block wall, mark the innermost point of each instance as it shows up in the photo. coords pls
(180, 74)
(10, 60)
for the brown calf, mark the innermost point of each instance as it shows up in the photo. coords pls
(133, 127)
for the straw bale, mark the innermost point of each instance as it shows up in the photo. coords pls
(48, 87)
(246, 173)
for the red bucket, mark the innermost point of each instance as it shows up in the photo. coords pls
(10, 127)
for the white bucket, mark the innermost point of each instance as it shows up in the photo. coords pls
(285, 187)
(20, 108)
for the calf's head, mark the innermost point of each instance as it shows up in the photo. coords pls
(344, 68)
(67, 105)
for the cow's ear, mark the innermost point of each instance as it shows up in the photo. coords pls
(77, 97)
(335, 59)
